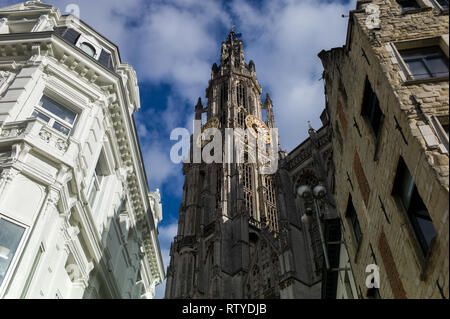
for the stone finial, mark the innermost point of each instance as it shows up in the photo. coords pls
(215, 69)
(251, 66)
(199, 105)
(311, 130)
(268, 100)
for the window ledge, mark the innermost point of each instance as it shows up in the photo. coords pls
(418, 10)
(427, 80)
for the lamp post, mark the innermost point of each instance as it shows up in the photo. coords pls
(312, 196)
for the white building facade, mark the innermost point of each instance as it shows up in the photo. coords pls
(76, 217)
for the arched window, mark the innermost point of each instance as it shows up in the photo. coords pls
(241, 96)
(88, 49)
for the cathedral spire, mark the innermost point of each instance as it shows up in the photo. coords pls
(232, 51)
(199, 109)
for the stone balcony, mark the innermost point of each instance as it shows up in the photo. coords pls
(36, 133)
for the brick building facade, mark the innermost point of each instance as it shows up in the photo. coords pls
(387, 94)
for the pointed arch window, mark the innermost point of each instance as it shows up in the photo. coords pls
(270, 200)
(248, 188)
(241, 95)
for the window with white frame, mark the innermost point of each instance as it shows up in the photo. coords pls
(34, 267)
(425, 62)
(56, 115)
(441, 4)
(440, 124)
(423, 59)
(10, 237)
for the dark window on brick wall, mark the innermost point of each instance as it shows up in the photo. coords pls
(405, 189)
(353, 219)
(408, 4)
(425, 63)
(371, 108)
(445, 125)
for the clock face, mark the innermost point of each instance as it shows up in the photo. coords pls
(212, 123)
(258, 128)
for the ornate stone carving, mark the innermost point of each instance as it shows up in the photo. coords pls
(61, 144)
(13, 132)
(45, 136)
(8, 174)
(53, 197)
(73, 232)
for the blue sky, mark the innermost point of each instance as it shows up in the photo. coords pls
(172, 45)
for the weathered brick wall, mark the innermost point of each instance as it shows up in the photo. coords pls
(369, 55)
(391, 268)
(342, 118)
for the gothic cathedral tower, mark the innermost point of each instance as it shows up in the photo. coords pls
(228, 242)
(226, 208)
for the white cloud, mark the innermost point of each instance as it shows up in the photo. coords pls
(176, 45)
(286, 37)
(176, 42)
(159, 167)
(167, 233)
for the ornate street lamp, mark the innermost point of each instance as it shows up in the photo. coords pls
(317, 194)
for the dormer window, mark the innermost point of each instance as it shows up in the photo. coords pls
(89, 45)
(88, 49)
